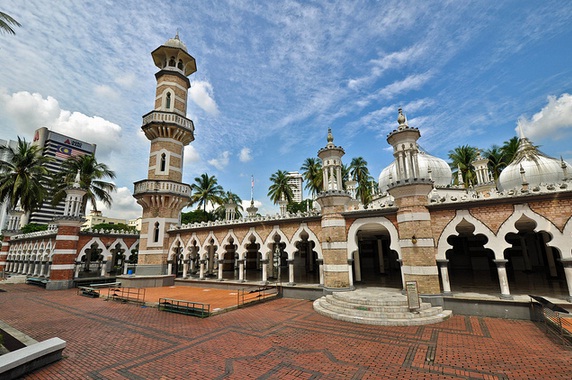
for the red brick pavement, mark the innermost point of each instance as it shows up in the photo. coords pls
(281, 339)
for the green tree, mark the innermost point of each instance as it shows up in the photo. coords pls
(114, 226)
(496, 160)
(295, 207)
(360, 173)
(92, 175)
(206, 190)
(34, 227)
(280, 188)
(196, 216)
(220, 212)
(23, 175)
(6, 23)
(461, 158)
(509, 149)
(312, 173)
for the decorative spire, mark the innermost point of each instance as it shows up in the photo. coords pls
(330, 136)
(76, 182)
(401, 119)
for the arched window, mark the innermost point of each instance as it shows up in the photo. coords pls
(163, 161)
(172, 61)
(168, 101)
(156, 233)
(180, 65)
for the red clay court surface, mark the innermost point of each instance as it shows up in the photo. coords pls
(279, 339)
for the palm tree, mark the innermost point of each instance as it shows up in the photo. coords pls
(312, 173)
(23, 175)
(360, 173)
(461, 158)
(280, 188)
(206, 190)
(6, 23)
(227, 197)
(91, 179)
(509, 149)
(496, 160)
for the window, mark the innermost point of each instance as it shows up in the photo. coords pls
(163, 161)
(168, 101)
(156, 233)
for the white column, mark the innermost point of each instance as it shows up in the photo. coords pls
(185, 267)
(321, 270)
(202, 270)
(103, 267)
(169, 267)
(503, 279)
(220, 266)
(549, 257)
(43, 267)
(444, 275)
(350, 272)
(241, 267)
(77, 268)
(567, 263)
(264, 264)
(290, 272)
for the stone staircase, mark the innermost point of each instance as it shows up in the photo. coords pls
(14, 279)
(378, 306)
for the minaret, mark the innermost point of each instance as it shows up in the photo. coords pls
(413, 218)
(333, 200)
(162, 195)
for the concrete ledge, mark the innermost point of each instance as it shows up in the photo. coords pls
(17, 363)
(137, 281)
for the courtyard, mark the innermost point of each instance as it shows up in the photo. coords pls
(279, 339)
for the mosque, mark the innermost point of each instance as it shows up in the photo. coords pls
(512, 236)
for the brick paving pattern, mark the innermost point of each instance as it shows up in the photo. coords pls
(280, 339)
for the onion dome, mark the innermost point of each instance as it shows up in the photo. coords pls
(530, 166)
(175, 43)
(429, 167)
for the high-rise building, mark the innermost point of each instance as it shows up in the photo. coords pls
(295, 180)
(59, 147)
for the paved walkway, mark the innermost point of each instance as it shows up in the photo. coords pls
(281, 339)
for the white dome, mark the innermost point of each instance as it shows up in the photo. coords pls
(175, 43)
(440, 171)
(537, 168)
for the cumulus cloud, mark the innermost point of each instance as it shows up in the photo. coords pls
(245, 155)
(201, 93)
(32, 111)
(124, 206)
(104, 91)
(191, 155)
(126, 80)
(221, 161)
(553, 121)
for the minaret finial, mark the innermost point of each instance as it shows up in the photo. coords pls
(330, 136)
(521, 131)
(401, 119)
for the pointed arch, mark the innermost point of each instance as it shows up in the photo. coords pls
(246, 241)
(480, 228)
(178, 242)
(558, 240)
(207, 242)
(105, 252)
(311, 236)
(270, 240)
(226, 241)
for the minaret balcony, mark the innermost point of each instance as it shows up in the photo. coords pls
(165, 120)
(163, 187)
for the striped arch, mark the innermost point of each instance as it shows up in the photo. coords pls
(246, 242)
(480, 228)
(122, 244)
(270, 240)
(558, 240)
(352, 245)
(311, 236)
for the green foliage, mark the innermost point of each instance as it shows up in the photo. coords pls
(114, 226)
(6, 23)
(196, 216)
(280, 188)
(461, 159)
(34, 227)
(22, 175)
(206, 190)
(313, 175)
(295, 207)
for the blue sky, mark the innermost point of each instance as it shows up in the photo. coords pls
(273, 76)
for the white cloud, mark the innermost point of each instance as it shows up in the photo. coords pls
(126, 80)
(245, 155)
(412, 82)
(553, 121)
(191, 155)
(201, 93)
(104, 91)
(124, 206)
(221, 161)
(31, 111)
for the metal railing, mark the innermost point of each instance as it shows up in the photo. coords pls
(136, 295)
(248, 296)
(555, 319)
(195, 309)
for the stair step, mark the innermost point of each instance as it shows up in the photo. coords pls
(401, 314)
(402, 308)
